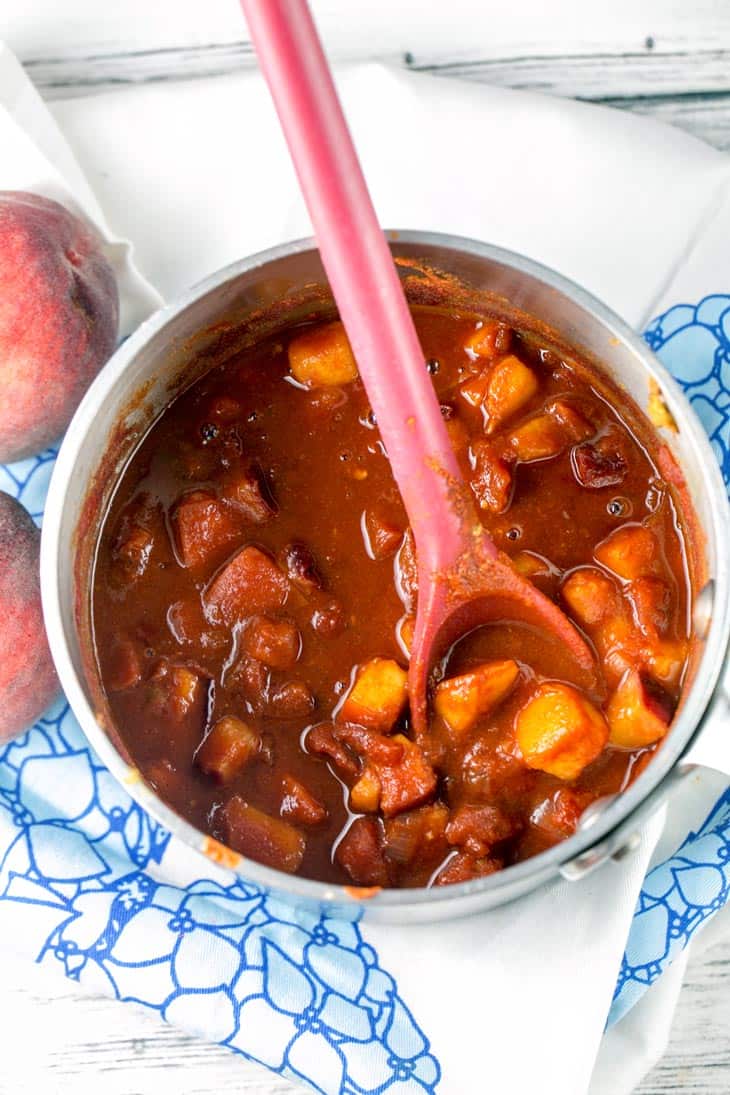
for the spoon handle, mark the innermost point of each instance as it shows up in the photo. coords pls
(363, 278)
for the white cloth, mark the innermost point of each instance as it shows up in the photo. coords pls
(197, 175)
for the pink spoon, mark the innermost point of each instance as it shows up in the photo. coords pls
(464, 580)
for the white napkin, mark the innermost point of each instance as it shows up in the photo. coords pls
(197, 175)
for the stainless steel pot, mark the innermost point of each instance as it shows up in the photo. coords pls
(155, 363)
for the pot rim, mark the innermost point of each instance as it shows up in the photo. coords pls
(627, 806)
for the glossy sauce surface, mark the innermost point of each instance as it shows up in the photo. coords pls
(281, 486)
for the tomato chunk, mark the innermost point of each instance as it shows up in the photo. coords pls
(462, 700)
(478, 828)
(377, 696)
(205, 529)
(408, 783)
(630, 552)
(291, 700)
(464, 866)
(360, 853)
(299, 805)
(250, 583)
(228, 747)
(321, 741)
(268, 840)
(382, 534)
(247, 491)
(322, 357)
(639, 711)
(275, 642)
(601, 463)
(560, 731)
(491, 478)
(123, 666)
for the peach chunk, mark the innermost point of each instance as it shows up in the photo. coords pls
(274, 642)
(227, 749)
(590, 595)
(630, 552)
(175, 689)
(462, 700)
(123, 668)
(639, 711)
(510, 387)
(205, 529)
(560, 731)
(268, 840)
(322, 357)
(540, 438)
(491, 479)
(250, 583)
(418, 834)
(490, 339)
(298, 804)
(377, 696)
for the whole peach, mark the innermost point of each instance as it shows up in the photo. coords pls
(59, 319)
(28, 680)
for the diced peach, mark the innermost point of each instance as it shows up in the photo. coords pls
(407, 569)
(490, 339)
(560, 731)
(590, 595)
(382, 534)
(540, 438)
(175, 689)
(275, 642)
(474, 389)
(298, 564)
(511, 387)
(404, 632)
(666, 658)
(639, 712)
(650, 599)
(299, 805)
(461, 701)
(123, 669)
(532, 565)
(577, 426)
(360, 853)
(617, 644)
(365, 794)
(377, 696)
(630, 552)
(322, 356)
(188, 626)
(250, 583)
(418, 834)
(291, 700)
(491, 478)
(268, 840)
(409, 783)
(205, 529)
(246, 490)
(478, 828)
(227, 749)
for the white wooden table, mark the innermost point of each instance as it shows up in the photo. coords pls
(666, 58)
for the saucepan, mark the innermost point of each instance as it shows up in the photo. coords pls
(229, 310)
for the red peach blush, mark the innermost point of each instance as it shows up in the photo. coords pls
(59, 319)
(28, 679)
